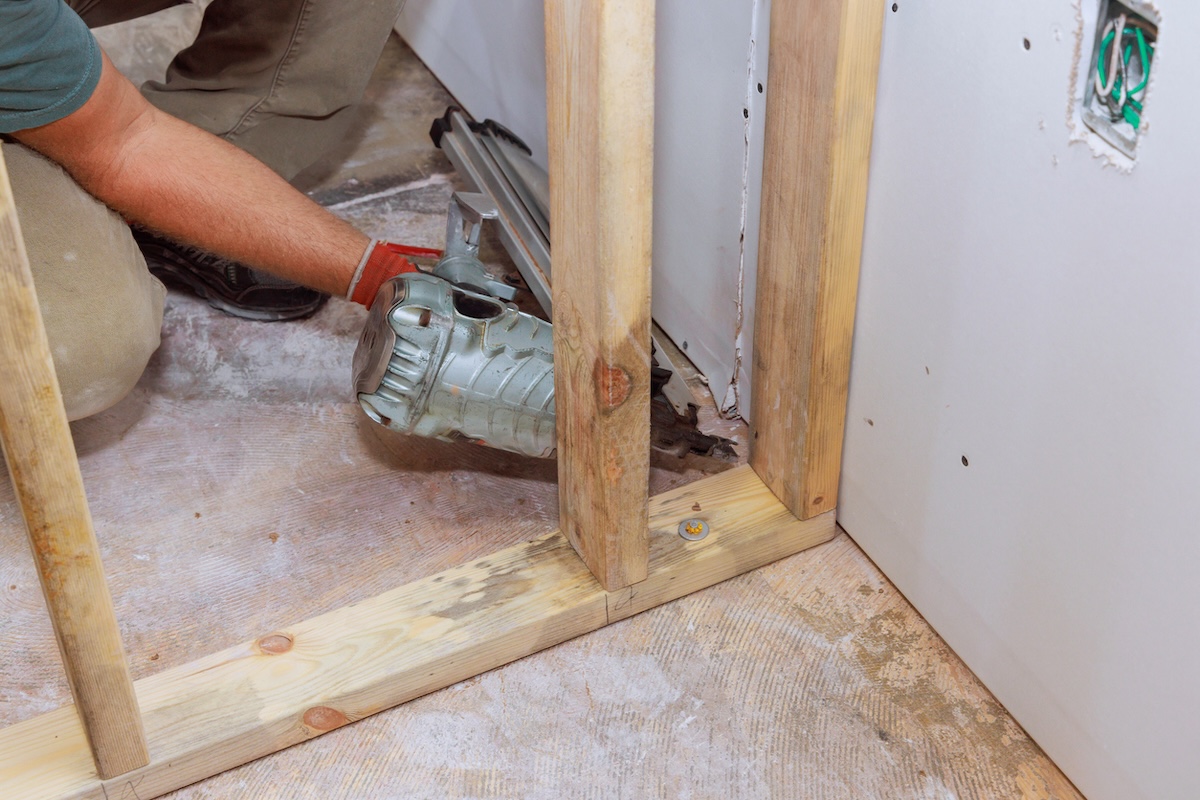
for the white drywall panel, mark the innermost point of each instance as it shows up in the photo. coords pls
(490, 54)
(708, 125)
(1022, 450)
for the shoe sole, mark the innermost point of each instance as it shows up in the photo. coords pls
(162, 265)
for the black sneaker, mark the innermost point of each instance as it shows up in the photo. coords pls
(227, 285)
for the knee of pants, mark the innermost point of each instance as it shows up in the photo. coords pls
(101, 307)
(97, 369)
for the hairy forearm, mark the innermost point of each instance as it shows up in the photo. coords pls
(197, 188)
(192, 186)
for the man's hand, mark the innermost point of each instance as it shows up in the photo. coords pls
(186, 183)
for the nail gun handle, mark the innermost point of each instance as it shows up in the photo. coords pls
(409, 250)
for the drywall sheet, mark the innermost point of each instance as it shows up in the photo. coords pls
(490, 54)
(1023, 441)
(708, 145)
(707, 181)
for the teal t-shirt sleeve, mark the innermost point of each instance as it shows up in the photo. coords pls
(49, 63)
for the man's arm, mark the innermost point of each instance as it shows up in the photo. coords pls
(186, 183)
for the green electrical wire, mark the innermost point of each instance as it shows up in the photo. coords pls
(1145, 60)
(1130, 111)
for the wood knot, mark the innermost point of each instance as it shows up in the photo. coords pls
(275, 643)
(324, 718)
(612, 384)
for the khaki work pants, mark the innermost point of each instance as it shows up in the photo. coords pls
(278, 78)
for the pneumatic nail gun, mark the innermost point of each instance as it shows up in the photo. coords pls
(448, 355)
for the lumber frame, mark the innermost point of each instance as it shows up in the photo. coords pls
(822, 70)
(297, 682)
(302, 680)
(40, 455)
(600, 100)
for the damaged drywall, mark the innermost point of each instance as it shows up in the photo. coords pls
(732, 404)
(757, 90)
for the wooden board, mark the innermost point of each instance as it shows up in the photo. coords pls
(600, 90)
(824, 61)
(303, 680)
(49, 487)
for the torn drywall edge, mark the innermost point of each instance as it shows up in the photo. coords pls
(1085, 32)
(736, 400)
(729, 403)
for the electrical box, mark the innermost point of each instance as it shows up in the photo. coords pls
(1120, 69)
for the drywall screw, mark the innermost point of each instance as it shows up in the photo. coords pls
(693, 529)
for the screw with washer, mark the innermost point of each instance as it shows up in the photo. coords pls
(693, 529)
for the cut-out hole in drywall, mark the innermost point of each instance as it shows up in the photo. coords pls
(1120, 67)
(1116, 56)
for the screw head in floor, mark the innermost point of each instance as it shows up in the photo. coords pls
(693, 529)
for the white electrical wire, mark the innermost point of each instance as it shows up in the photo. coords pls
(1117, 66)
(1116, 61)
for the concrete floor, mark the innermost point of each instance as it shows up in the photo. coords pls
(238, 489)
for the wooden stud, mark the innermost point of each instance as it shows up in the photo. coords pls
(600, 90)
(303, 680)
(41, 459)
(823, 65)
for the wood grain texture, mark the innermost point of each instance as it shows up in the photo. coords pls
(824, 61)
(49, 488)
(298, 682)
(600, 92)
(733, 504)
